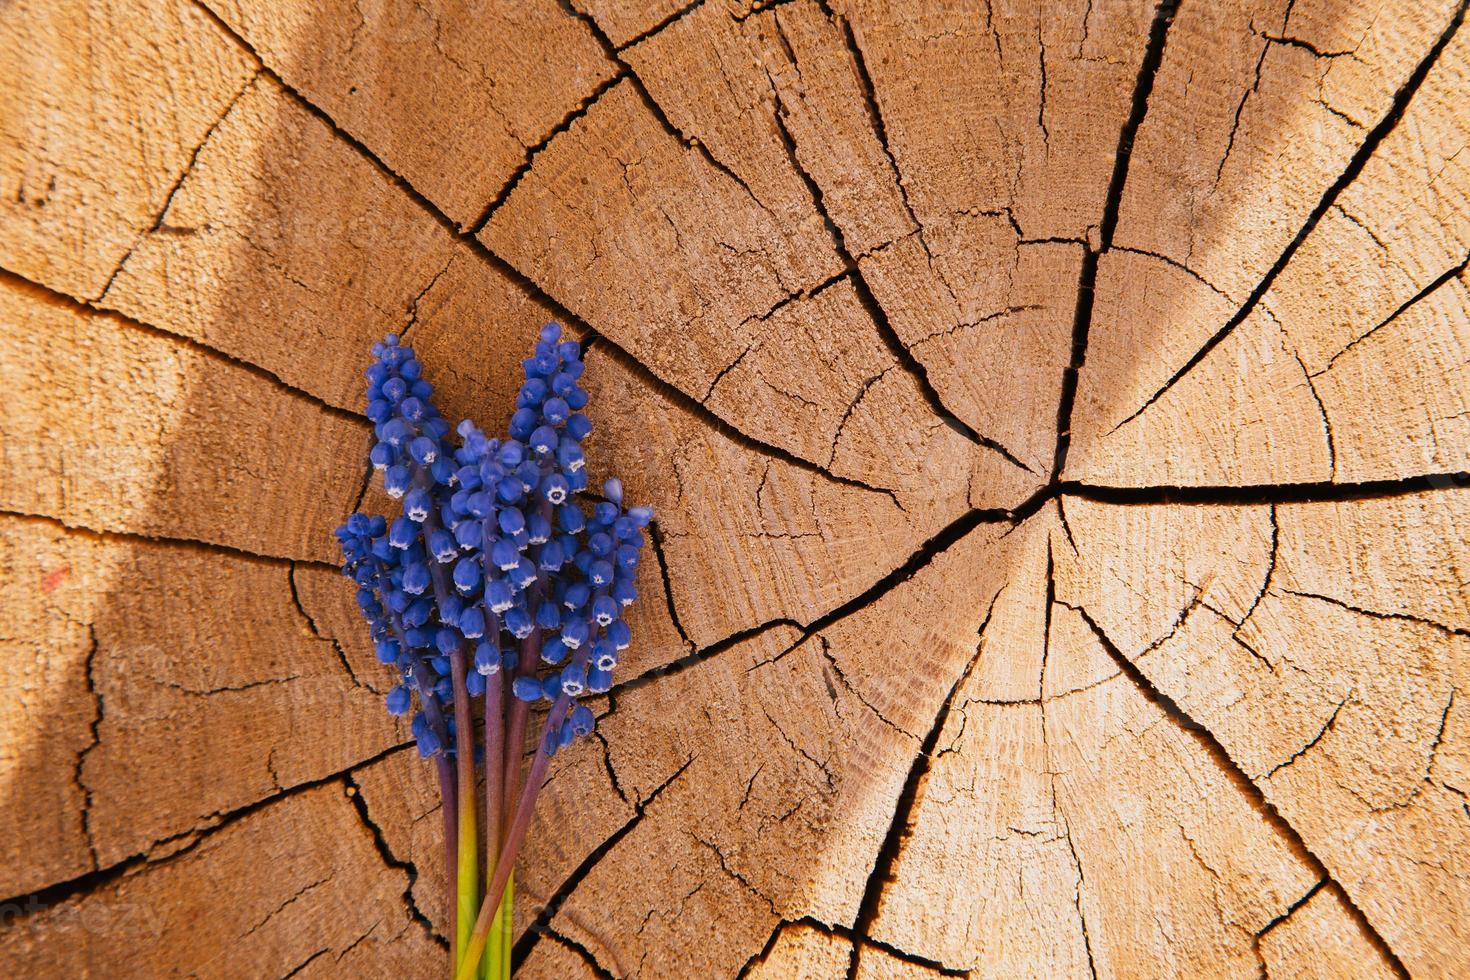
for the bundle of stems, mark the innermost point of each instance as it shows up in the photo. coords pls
(492, 588)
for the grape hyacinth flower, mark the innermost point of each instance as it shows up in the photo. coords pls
(495, 592)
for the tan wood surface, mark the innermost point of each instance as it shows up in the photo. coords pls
(1057, 417)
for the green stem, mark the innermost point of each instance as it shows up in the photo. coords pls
(509, 902)
(496, 962)
(514, 836)
(468, 897)
(491, 968)
(490, 962)
(503, 928)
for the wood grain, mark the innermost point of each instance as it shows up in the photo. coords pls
(453, 95)
(103, 108)
(130, 430)
(1054, 416)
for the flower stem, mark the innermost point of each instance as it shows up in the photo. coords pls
(500, 931)
(468, 887)
(515, 739)
(494, 793)
(513, 839)
(494, 768)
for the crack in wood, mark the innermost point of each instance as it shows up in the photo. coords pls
(1172, 263)
(1289, 910)
(1360, 158)
(159, 539)
(875, 114)
(1262, 493)
(898, 827)
(585, 954)
(94, 729)
(359, 804)
(532, 152)
(284, 905)
(82, 885)
(316, 631)
(413, 304)
(93, 309)
(1148, 69)
(1451, 274)
(656, 539)
(1321, 407)
(614, 54)
(660, 26)
(541, 925)
(1248, 787)
(852, 407)
(1081, 878)
(1374, 614)
(1049, 602)
(1327, 726)
(1253, 495)
(158, 222)
(848, 686)
(1254, 87)
(900, 351)
(295, 970)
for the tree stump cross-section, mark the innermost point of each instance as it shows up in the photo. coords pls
(1056, 417)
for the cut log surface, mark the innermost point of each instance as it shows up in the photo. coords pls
(1056, 417)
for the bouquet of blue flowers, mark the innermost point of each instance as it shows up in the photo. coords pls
(493, 591)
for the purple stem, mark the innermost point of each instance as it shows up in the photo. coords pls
(513, 839)
(530, 657)
(515, 739)
(494, 772)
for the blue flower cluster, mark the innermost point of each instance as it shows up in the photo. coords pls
(492, 557)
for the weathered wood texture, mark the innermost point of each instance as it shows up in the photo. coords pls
(1057, 417)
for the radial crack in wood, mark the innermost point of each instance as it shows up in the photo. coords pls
(451, 95)
(1332, 678)
(131, 431)
(1054, 416)
(105, 105)
(327, 889)
(1263, 368)
(350, 259)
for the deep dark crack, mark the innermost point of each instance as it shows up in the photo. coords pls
(898, 828)
(582, 952)
(656, 539)
(1449, 275)
(1247, 787)
(660, 26)
(900, 351)
(92, 881)
(541, 925)
(92, 309)
(514, 180)
(1148, 70)
(1327, 726)
(94, 728)
(1375, 614)
(315, 629)
(359, 803)
(1360, 158)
